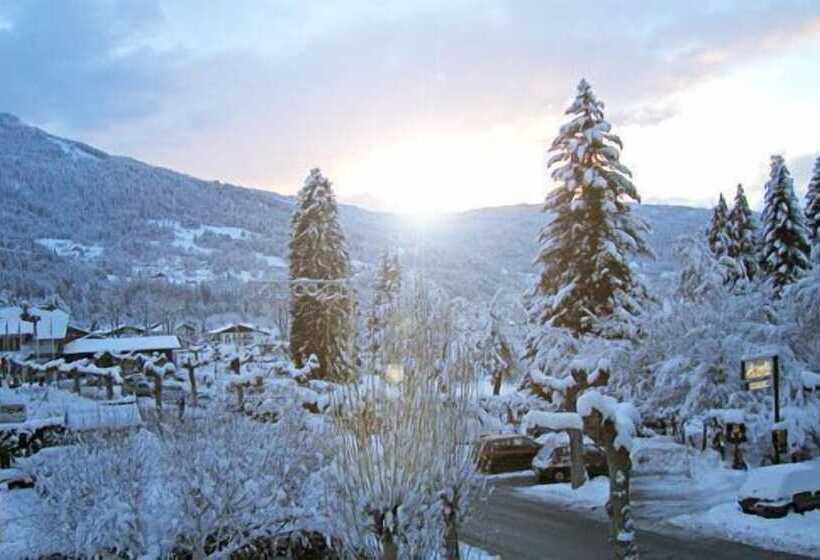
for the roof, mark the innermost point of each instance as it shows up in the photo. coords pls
(52, 324)
(238, 327)
(120, 345)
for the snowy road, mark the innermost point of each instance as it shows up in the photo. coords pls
(518, 527)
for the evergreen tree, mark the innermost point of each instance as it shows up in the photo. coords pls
(718, 234)
(741, 229)
(386, 293)
(785, 248)
(321, 297)
(813, 204)
(587, 284)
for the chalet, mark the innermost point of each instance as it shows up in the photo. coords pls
(186, 332)
(126, 331)
(89, 347)
(35, 332)
(239, 334)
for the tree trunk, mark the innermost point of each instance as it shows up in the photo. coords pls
(76, 375)
(578, 472)
(451, 550)
(497, 385)
(240, 396)
(192, 380)
(622, 530)
(158, 392)
(109, 388)
(390, 550)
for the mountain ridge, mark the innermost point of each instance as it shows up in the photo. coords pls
(114, 218)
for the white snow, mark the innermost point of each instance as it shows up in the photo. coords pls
(794, 533)
(52, 324)
(121, 345)
(624, 415)
(72, 150)
(68, 248)
(778, 482)
(553, 420)
(593, 494)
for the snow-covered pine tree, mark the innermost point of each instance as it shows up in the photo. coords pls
(785, 248)
(386, 293)
(586, 279)
(813, 205)
(321, 296)
(718, 234)
(743, 235)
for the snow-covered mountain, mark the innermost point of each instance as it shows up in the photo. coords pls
(73, 214)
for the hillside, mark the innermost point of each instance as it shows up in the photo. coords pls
(75, 218)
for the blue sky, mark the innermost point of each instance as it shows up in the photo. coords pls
(423, 106)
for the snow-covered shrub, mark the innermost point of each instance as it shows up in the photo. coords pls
(207, 488)
(103, 495)
(234, 480)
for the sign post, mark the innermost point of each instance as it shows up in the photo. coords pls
(759, 374)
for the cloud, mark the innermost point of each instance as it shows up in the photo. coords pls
(258, 93)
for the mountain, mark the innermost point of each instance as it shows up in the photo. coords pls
(75, 220)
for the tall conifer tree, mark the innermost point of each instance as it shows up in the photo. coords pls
(718, 235)
(587, 284)
(813, 204)
(742, 233)
(785, 247)
(321, 296)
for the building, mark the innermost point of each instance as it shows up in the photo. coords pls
(89, 347)
(33, 332)
(239, 334)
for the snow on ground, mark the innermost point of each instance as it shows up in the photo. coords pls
(72, 150)
(680, 488)
(185, 238)
(794, 533)
(47, 402)
(593, 494)
(68, 248)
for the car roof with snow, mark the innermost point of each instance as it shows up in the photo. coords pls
(778, 482)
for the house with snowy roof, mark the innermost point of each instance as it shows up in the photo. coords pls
(33, 332)
(239, 334)
(89, 347)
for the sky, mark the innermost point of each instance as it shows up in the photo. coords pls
(423, 106)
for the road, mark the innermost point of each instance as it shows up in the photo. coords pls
(518, 528)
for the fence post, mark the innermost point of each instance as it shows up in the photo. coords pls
(192, 380)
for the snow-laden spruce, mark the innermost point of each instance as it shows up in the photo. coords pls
(585, 250)
(321, 295)
(718, 233)
(743, 236)
(813, 204)
(786, 251)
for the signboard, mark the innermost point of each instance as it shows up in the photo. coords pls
(758, 373)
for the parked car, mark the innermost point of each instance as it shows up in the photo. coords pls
(555, 464)
(12, 412)
(502, 453)
(773, 491)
